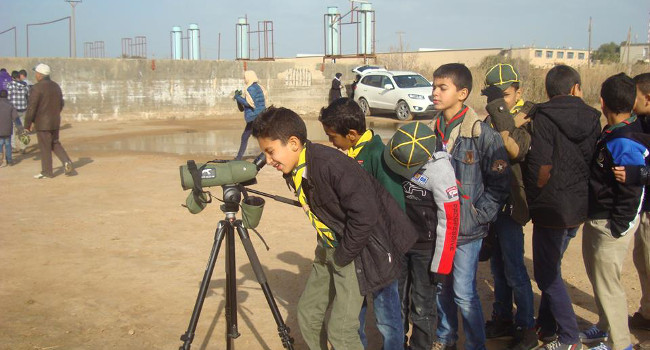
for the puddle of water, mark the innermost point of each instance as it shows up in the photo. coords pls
(219, 143)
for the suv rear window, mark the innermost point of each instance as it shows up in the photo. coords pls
(411, 81)
(372, 80)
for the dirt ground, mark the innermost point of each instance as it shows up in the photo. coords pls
(108, 259)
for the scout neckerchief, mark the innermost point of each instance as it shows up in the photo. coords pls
(631, 119)
(610, 128)
(444, 129)
(325, 235)
(354, 151)
(517, 107)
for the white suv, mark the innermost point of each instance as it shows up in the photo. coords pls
(405, 93)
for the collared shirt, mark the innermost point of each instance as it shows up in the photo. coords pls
(18, 93)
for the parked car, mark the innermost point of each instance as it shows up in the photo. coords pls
(405, 93)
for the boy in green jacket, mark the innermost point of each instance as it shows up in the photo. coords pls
(345, 124)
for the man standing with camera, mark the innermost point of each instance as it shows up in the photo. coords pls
(44, 111)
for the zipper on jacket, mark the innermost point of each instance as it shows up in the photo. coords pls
(390, 257)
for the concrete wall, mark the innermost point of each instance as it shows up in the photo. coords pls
(104, 89)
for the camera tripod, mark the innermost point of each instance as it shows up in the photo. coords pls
(226, 229)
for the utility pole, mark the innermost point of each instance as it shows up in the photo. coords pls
(627, 52)
(73, 31)
(401, 49)
(589, 49)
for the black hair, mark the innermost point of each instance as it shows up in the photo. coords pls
(23, 72)
(279, 124)
(343, 115)
(3, 69)
(618, 93)
(3, 94)
(516, 85)
(642, 81)
(15, 74)
(458, 73)
(560, 80)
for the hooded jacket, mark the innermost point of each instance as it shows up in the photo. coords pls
(640, 175)
(371, 228)
(609, 199)
(564, 135)
(433, 206)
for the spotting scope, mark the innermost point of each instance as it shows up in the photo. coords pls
(219, 173)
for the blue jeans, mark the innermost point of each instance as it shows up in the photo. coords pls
(510, 274)
(555, 309)
(245, 135)
(6, 141)
(386, 304)
(418, 296)
(458, 291)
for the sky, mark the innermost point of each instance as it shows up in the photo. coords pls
(298, 24)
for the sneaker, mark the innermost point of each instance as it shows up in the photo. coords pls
(442, 346)
(525, 339)
(497, 328)
(637, 321)
(593, 335)
(67, 166)
(41, 176)
(556, 345)
(546, 337)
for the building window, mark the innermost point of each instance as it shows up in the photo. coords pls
(581, 55)
(569, 55)
(560, 54)
(549, 54)
(538, 53)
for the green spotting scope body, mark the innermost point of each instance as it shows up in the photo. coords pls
(218, 174)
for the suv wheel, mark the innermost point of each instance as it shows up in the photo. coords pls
(364, 106)
(402, 111)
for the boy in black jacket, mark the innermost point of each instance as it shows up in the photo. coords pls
(564, 134)
(640, 175)
(360, 228)
(613, 210)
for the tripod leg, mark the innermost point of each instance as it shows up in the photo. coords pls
(231, 288)
(188, 337)
(283, 330)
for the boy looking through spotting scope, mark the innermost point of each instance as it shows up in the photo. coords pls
(361, 230)
(345, 124)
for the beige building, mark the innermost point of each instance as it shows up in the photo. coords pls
(550, 57)
(471, 57)
(635, 53)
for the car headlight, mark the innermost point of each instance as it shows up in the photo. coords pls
(416, 97)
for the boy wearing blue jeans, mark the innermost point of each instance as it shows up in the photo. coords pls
(345, 124)
(508, 115)
(565, 131)
(8, 116)
(482, 172)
